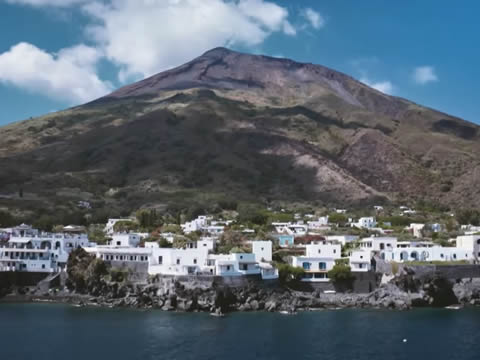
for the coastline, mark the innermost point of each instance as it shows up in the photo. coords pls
(174, 296)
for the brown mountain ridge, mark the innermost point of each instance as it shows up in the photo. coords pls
(229, 125)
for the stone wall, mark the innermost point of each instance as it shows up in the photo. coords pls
(137, 271)
(205, 281)
(451, 272)
(14, 278)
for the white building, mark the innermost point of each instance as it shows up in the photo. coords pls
(434, 253)
(168, 261)
(416, 229)
(321, 223)
(318, 260)
(469, 243)
(342, 239)
(378, 243)
(125, 240)
(214, 230)
(110, 225)
(262, 251)
(125, 255)
(39, 253)
(360, 260)
(195, 225)
(365, 223)
(208, 243)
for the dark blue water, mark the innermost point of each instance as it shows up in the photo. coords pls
(38, 331)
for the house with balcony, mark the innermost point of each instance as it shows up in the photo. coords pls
(31, 251)
(318, 260)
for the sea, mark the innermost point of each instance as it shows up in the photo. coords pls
(52, 331)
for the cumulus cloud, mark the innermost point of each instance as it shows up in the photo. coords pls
(144, 37)
(385, 87)
(314, 18)
(424, 74)
(68, 75)
(59, 3)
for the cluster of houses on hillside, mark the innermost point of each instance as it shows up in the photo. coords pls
(23, 248)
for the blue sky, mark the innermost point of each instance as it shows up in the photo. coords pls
(59, 53)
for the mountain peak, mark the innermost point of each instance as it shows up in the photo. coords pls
(218, 51)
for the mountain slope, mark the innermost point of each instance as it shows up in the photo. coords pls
(245, 127)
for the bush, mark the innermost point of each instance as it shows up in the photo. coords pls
(341, 274)
(84, 271)
(118, 275)
(288, 273)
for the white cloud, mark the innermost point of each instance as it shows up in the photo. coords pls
(68, 75)
(144, 37)
(314, 18)
(385, 87)
(60, 3)
(424, 74)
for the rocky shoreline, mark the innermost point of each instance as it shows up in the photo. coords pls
(175, 296)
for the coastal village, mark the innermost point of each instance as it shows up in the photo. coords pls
(313, 248)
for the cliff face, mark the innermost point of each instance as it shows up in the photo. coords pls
(241, 126)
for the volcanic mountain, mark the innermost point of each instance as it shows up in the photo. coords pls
(234, 126)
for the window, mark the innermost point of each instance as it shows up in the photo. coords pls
(454, 256)
(43, 266)
(241, 256)
(306, 265)
(319, 251)
(244, 267)
(360, 266)
(228, 267)
(160, 260)
(119, 243)
(262, 249)
(334, 251)
(322, 266)
(178, 261)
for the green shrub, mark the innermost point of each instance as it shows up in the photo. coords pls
(341, 273)
(288, 273)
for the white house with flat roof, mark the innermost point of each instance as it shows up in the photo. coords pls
(42, 252)
(168, 261)
(434, 253)
(469, 243)
(120, 254)
(125, 240)
(365, 223)
(378, 243)
(318, 260)
(360, 260)
(262, 251)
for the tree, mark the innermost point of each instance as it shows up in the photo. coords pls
(125, 226)
(45, 223)
(251, 214)
(6, 219)
(96, 234)
(468, 217)
(336, 218)
(163, 243)
(341, 275)
(172, 228)
(84, 271)
(229, 240)
(180, 242)
(288, 273)
(148, 219)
